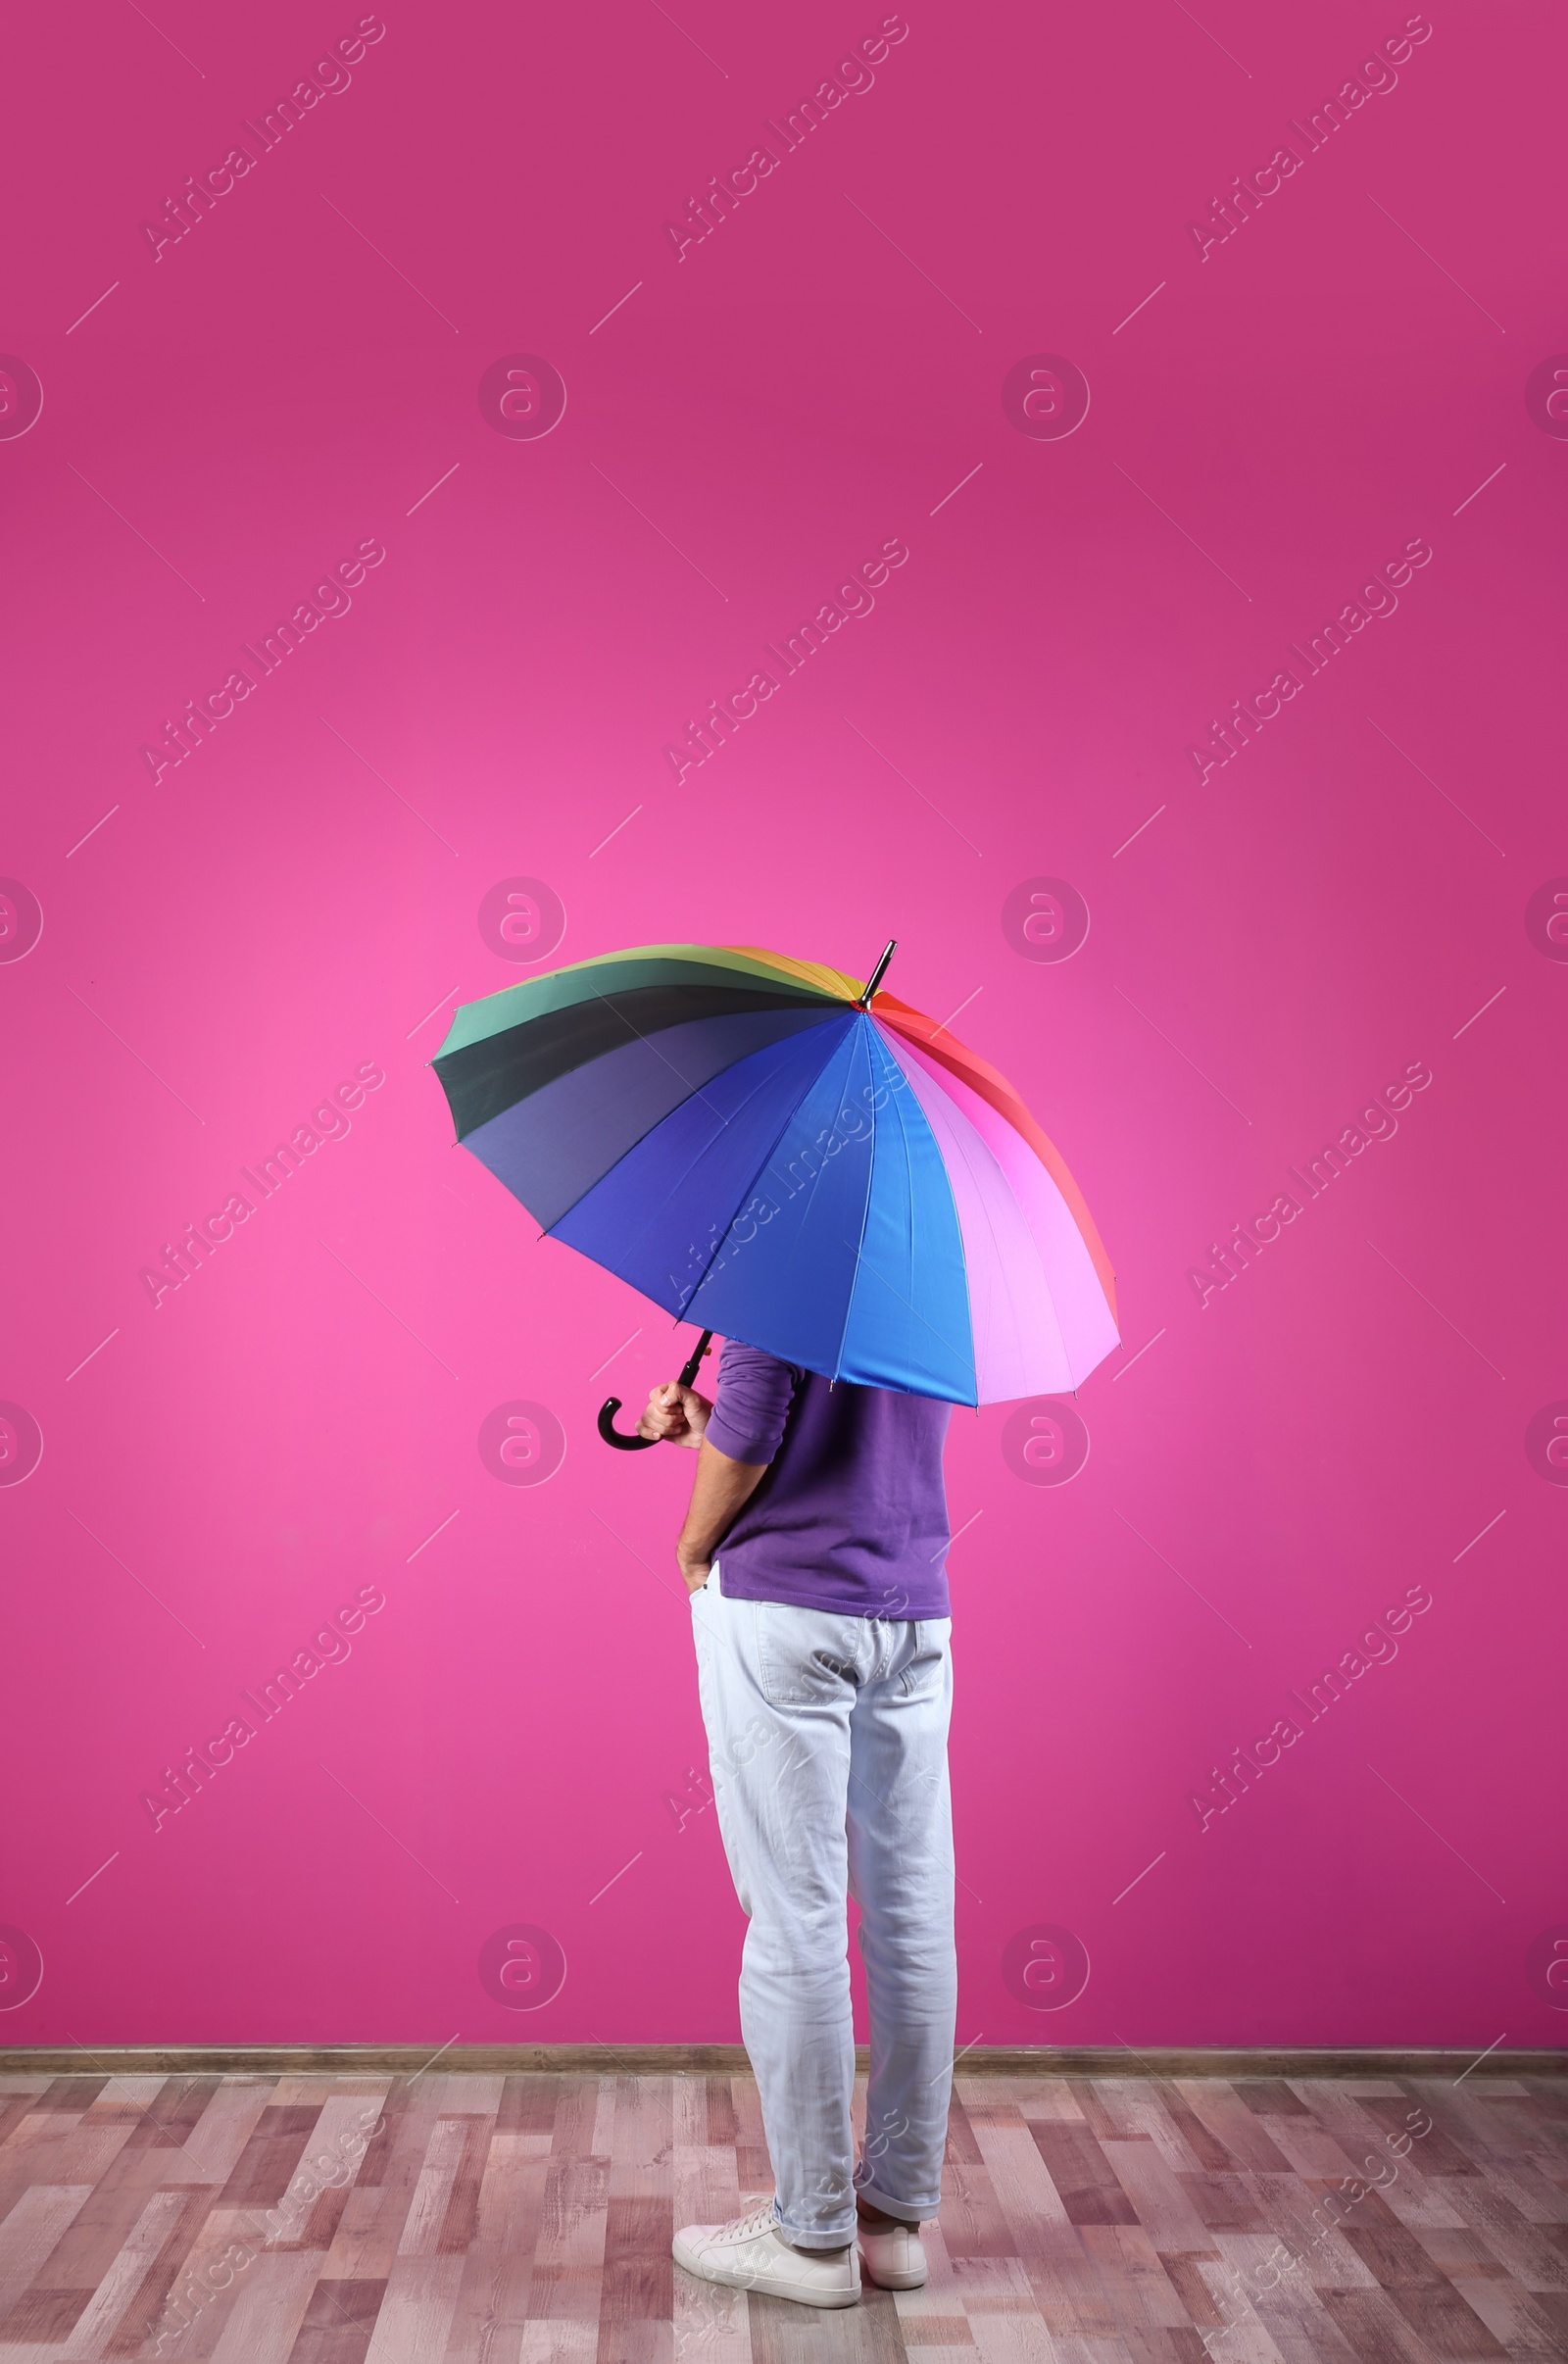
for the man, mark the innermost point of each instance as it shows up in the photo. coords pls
(823, 1668)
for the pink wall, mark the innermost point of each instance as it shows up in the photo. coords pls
(1273, 418)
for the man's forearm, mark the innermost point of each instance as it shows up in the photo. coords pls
(720, 1491)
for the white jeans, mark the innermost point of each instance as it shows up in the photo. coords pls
(827, 1745)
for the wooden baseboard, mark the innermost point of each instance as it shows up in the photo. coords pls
(729, 2059)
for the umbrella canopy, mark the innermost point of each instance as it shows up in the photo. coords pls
(848, 1188)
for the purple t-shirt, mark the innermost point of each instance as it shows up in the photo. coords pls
(853, 1514)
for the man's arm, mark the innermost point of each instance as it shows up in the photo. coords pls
(723, 1483)
(719, 1490)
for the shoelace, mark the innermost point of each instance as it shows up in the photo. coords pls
(747, 2228)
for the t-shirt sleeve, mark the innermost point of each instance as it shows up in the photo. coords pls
(751, 1404)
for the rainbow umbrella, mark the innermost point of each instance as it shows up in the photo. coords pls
(781, 1154)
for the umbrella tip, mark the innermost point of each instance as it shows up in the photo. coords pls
(877, 974)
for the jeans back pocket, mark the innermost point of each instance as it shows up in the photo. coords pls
(804, 1657)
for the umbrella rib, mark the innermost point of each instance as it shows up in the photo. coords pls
(958, 1227)
(865, 1218)
(751, 1185)
(986, 1083)
(908, 1186)
(969, 1132)
(1028, 1232)
(955, 1350)
(746, 1187)
(693, 1091)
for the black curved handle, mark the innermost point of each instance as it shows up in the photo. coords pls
(612, 1434)
(612, 1404)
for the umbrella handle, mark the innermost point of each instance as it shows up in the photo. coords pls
(612, 1434)
(612, 1404)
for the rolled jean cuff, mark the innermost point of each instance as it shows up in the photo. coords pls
(906, 2210)
(814, 2237)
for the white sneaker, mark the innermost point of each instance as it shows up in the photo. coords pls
(750, 2254)
(893, 2258)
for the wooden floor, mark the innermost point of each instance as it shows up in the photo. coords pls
(527, 2220)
